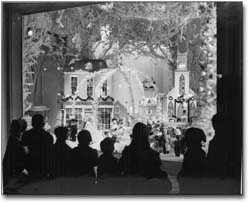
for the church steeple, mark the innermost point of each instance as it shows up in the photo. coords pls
(181, 72)
(182, 61)
(182, 55)
(180, 102)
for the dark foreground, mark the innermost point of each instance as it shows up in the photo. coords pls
(125, 185)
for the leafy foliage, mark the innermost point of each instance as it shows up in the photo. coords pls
(208, 65)
(144, 28)
(105, 31)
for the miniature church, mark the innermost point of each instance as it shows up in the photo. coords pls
(181, 100)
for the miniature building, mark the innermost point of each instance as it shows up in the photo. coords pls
(81, 105)
(181, 102)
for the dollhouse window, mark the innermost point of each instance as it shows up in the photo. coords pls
(105, 88)
(78, 115)
(90, 87)
(182, 85)
(73, 84)
(104, 118)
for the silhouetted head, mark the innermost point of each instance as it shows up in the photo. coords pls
(194, 137)
(84, 137)
(61, 133)
(37, 121)
(23, 124)
(15, 128)
(140, 135)
(218, 121)
(107, 145)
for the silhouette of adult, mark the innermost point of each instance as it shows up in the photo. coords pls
(62, 155)
(217, 151)
(14, 157)
(84, 157)
(138, 158)
(194, 163)
(107, 163)
(38, 146)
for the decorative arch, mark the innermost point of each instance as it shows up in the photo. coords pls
(182, 85)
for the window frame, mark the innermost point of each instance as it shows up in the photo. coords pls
(102, 123)
(76, 82)
(90, 88)
(229, 26)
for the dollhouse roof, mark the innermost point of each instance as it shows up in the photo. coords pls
(82, 64)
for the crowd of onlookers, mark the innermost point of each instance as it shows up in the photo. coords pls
(34, 151)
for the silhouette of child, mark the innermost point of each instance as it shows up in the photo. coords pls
(194, 162)
(14, 157)
(38, 145)
(62, 153)
(84, 157)
(218, 149)
(107, 163)
(138, 158)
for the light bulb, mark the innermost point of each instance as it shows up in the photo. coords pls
(89, 66)
(30, 32)
(203, 73)
(45, 69)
